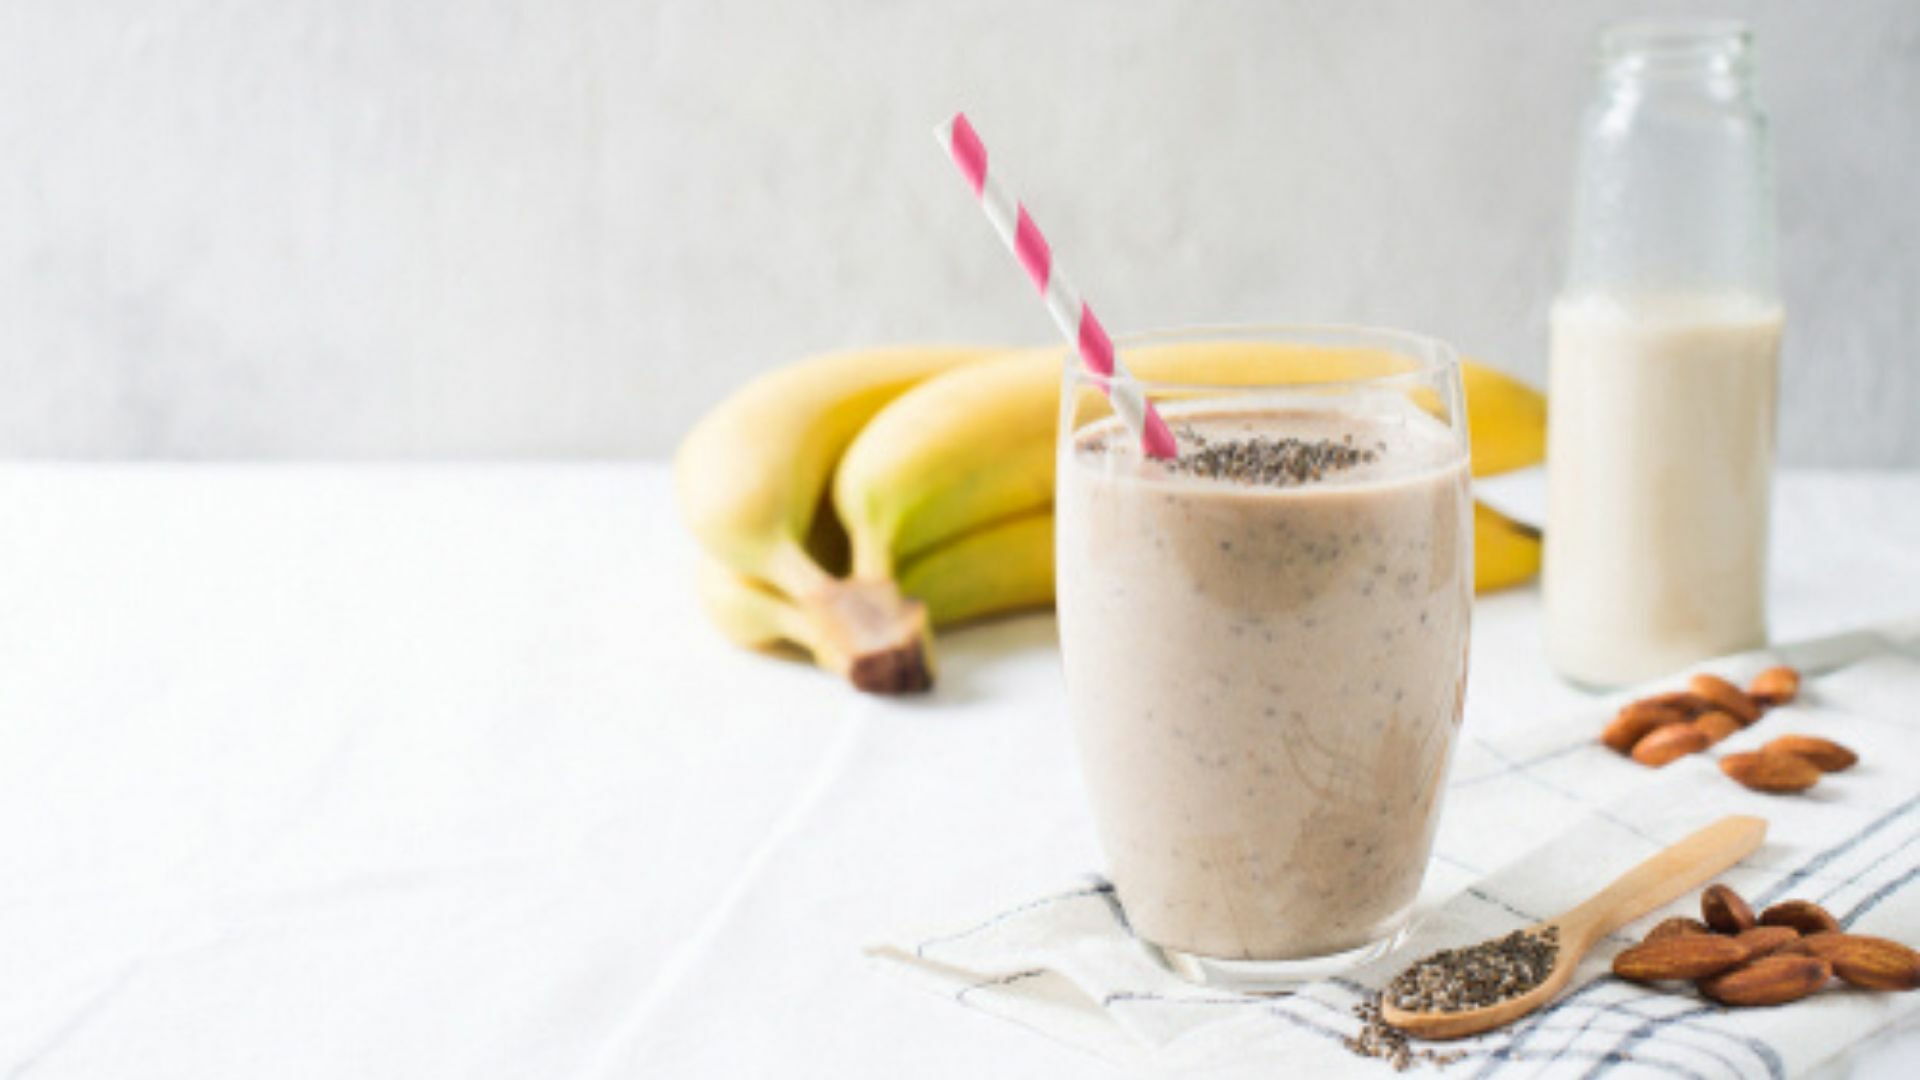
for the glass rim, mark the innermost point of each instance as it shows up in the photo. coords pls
(1429, 356)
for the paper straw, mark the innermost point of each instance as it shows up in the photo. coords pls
(1070, 313)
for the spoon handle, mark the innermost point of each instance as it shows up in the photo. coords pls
(1663, 877)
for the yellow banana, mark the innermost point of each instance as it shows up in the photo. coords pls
(1001, 568)
(975, 446)
(1506, 420)
(750, 473)
(1505, 552)
(750, 614)
(935, 465)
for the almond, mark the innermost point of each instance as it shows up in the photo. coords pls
(1802, 915)
(1676, 926)
(1684, 700)
(1772, 772)
(1770, 980)
(1871, 963)
(1724, 911)
(1668, 743)
(1767, 940)
(1775, 686)
(1725, 697)
(1715, 725)
(1826, 755)
(1634, 722)
(1682, 956)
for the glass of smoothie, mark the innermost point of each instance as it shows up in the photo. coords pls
(1265, 639)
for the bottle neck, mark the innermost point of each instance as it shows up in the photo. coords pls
(1705, 59)
(1675, 190)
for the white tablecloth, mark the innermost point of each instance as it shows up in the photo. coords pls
(435, 771)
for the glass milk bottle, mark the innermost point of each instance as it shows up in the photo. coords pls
(1664, 363)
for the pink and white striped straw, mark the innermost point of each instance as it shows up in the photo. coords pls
(1071, 314)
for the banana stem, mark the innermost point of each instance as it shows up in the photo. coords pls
(879, 637)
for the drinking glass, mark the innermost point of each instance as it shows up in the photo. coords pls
(1265, 642)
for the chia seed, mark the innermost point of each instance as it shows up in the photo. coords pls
(1455, 980)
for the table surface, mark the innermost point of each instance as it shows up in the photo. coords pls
(436, 771)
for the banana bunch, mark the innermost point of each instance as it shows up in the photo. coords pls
(750, 478)
(850, 502)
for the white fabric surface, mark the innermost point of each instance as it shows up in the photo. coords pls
(1572, 816)
(435, 771)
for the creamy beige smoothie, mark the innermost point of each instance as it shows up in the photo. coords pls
(1265, 665)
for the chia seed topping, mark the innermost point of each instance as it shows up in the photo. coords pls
(1455, 980)
(1273, 462)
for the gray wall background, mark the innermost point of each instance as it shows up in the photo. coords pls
(445, 228)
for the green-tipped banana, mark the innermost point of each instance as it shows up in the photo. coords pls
(992, 571)
(945, 460)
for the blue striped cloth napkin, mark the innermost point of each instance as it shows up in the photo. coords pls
(1565, 816)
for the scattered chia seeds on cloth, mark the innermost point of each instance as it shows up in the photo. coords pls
(1379, 1039)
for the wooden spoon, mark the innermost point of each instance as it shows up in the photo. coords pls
(1689, 863)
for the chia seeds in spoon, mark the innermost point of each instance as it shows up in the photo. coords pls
(1456, 980)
